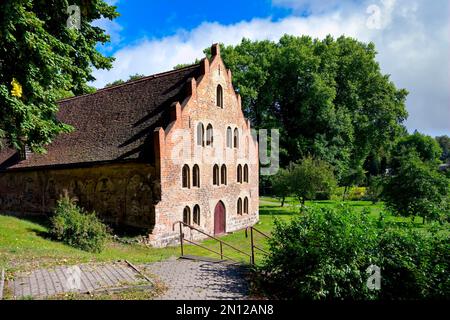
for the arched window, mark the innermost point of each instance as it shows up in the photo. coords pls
(200, 135)
(197, 214)
(223, 174)
(245, 173)
(216, 175)
(239, 174)
(186, 176)
(196, 176)
(236, 138)
(219, 96)
(209, 135)
(187, 215)
(229, 138)
(245, 205)
(239, 206)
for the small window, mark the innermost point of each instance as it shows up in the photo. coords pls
(219, 96)
(245, 173)
(197, 214)
(187, 215)
(196, 176)
(229, 138)
(239, 206)
(216, 175)
(186, 176)
(236, 138)
(223, 174)
(245, 205)
(209, 135)
(239, 174)
(200, 135)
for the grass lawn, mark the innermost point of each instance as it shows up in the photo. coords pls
(24, 244)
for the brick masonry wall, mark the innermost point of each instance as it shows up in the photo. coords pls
(120, 193)
(178, 146)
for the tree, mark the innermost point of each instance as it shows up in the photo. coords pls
(327, 97)
(281, 187)
(417, 188)
(444, 142)
(135, 76)
(42, 59)
(311, 177)
(425, 147)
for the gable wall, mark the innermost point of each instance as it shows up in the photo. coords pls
(178, 147)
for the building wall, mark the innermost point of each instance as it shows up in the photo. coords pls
(178, 146)
(120, 193)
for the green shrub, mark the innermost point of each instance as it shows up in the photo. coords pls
(357, 194)
(77, 228)
(324, 255)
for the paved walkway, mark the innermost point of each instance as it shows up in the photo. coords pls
(184, 279)
(197, 280)
(82, 278)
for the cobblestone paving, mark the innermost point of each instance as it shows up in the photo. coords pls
(49, 282)
(197, 280)
(184, 279)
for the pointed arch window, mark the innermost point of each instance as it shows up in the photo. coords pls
(236, 138)
(196, 176)
(239, 174)
(186, 176)
(200, 135)
(246, 205)
(209, 135)
(223, 174)
(219, 96)
(229, 138)
(245, 173)
(216, 175)
(197, 214)
(239, 206)
(187, 215)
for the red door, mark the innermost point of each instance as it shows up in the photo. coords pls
(219, 218)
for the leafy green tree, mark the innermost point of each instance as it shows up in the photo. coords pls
(417, 188)
(43, 60)
(327, 97)
(425, 147)
(444, 142)
(311, 177)
(120, 81)
(281, 185)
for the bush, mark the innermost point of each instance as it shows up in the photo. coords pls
(77, 228)
(324, 255)
(357, 194)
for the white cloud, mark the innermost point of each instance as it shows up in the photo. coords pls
(412, 39)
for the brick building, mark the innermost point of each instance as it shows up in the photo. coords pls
(147, 153)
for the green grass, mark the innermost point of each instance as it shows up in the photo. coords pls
(24, 244)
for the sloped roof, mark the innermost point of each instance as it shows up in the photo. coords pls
(112, 124)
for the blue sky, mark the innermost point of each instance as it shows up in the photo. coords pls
(411, 36)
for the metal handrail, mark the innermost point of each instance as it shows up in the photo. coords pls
(253, 246)
(181, 223)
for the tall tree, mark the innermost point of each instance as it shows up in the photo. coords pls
(444, 142)
(327, 97)
(45, 55)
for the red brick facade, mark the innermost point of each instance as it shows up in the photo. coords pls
(179, 146)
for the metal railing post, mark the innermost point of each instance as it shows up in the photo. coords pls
(253, 246)
(221, 250)
(181, 240)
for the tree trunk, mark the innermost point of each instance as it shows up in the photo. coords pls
(282, 201)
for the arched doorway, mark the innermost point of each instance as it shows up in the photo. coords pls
(219, 218)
